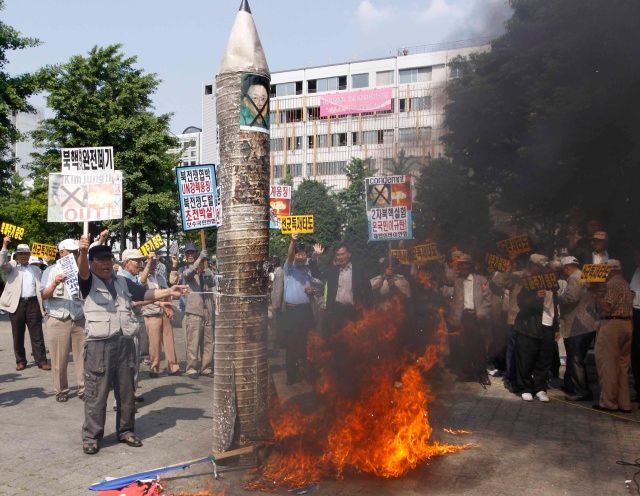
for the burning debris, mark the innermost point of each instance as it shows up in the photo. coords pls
(362, 421)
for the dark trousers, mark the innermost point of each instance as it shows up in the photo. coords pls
(28, 314)
(337, 316)
(534, 361)
(467, 350)
(511, 374)
(296, 322)
(108, 363)
(635, 351)
(575, 376)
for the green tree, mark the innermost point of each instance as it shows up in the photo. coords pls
(14, 93)
(103, 99)
(547, 119)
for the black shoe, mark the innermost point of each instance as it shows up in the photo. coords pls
(603, 409)
(622, 410)
(90, 448)
(139, 399)
(575, 397)
(484, 380)
(62, 397)
(153, 375)
(132, 440)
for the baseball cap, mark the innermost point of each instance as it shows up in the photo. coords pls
(23, 248)
(600, 235)
(301, 247)
(614, 264)
(190, 247)
(132, 254)
(538, 259)
(99, 251)
(69, 245)
(569, 261)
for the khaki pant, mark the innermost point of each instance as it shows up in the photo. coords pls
(199, 342)
(161, 335)
(64, 336)
(613, 356)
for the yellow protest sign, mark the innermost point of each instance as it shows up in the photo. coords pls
(401, 256)
(426, 253)
(545, 281)
(594, 273)
(12, 231)
(515, 246)
(301, 224)
(153, 244)
(48, 252)
(494, 262)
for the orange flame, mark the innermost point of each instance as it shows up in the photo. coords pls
(372, 411)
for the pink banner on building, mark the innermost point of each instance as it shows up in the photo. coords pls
(355, 102)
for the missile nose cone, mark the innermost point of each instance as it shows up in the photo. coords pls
(244, 52)
(244, 6)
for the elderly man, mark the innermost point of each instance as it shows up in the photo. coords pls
(578, 312)
(109, 359)
(198, 319)
(64, 325)
(22, 300)
(613, 344)
(389, 284)
(599, 243)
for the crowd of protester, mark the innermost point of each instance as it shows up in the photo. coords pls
(494, 323)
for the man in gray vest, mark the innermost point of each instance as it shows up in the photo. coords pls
(109, 350)
(64, 325)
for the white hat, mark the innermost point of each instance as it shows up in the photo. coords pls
(69, 245)
(569, 261)
(538, 259)
(132, 254)
(35, 260)
(23, 248)
(614, 264)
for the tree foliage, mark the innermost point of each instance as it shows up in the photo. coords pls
(14, 94)
(103, 99)
(547, 120)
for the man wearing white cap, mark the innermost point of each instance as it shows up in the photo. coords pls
(22, 301)
(64, 325)
(613, 344)
(578, 312)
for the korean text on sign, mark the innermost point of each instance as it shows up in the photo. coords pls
(401, 256)
(12, 231)
(426, 253)
(545, 281)
(198, 196)
(279, 204)
(389, 203)
(152, 245)
(87, 159)
(44, 251)
(494, 262)
(302, 224)
(69, 268)
(515, 246)
(594, 273)
(389, 224)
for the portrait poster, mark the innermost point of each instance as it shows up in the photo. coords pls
(254, 103)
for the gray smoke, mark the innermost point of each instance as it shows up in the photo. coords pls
(485, 18)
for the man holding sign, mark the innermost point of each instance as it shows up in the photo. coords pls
(64, 324)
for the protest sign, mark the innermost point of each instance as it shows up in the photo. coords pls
(496, 263)
(87, 197)
(356, 102)
(594, 273)
(279, 203)
(402, 256)
(515, 246)
(301, 224)
(12, 231)
(173, 248)
(546, 281)
(90, 159)
(153, 244)
(69, 268)
(48, 252)
(426, 253)
(389, 208)
(198, 196)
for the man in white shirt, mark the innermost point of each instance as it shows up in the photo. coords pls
(599, 242)
(635, 340)
(21, 299)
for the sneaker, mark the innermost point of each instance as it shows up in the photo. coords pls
(527, 396)
(542, 396)
(192, 374)
(208, 372)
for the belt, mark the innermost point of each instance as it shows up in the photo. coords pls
(294, 305)
(613, 317)
(30, 298)
(466, 310)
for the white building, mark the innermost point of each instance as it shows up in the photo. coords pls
(309, 140)
(190, 146)
(22, 150)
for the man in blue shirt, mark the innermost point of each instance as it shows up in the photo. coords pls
(297, 316)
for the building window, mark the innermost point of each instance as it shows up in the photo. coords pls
(277, 171)
(414, 135)
(287, 89)
(274, 117)
(331, 168)
(208, 89)
(337, 83)
(313, 113)
(414, 75)
(291, 115)
(321, 141)
(368, 138)
(415, 104)
(193, 153)
(384, 78)
(295, 170)
(360, 80)
(277, 144)
(339, 139)
(294, 143)
(455, 72)
(388, 136)
(193, 162)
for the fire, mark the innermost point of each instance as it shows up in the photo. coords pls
(371, 414)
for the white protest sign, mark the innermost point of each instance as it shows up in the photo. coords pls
(69, 268)
(90, 159)
(86, 197)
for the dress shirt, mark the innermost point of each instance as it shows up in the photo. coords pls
(600, 259)
(468, 293)
(29, 277)
(296, 279)
(344, 293)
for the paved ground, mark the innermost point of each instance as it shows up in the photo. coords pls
(522, 448)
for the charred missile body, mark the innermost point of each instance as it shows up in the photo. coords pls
(240, 360)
